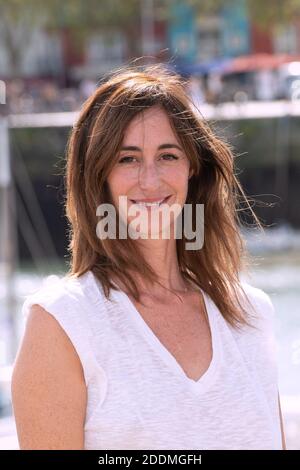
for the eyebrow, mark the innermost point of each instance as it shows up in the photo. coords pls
(133, 148)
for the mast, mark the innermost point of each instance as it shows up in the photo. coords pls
(8, 245)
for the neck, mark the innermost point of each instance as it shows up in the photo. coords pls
(161, 255)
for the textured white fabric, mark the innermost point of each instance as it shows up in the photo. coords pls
(139, 396)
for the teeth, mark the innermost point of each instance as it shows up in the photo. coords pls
(149, 204)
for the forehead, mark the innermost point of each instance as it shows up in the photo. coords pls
(153, 122)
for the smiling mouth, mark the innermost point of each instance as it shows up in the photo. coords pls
(151, 204)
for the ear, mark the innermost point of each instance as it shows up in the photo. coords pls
(191, 172)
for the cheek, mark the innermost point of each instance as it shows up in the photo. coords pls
(117, 185)
(178, 178)
(180, 181)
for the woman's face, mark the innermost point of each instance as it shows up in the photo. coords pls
(151, 167)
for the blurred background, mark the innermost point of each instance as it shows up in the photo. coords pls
(241, 62)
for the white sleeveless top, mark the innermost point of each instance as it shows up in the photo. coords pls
(139, 397)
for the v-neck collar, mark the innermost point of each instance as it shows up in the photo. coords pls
(208, 377)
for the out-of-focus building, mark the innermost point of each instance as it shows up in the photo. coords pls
(201, 44)
(197, 44)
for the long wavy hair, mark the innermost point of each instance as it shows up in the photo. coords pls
(92, 150)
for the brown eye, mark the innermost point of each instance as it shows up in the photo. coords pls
(126, 159)
(173, 157)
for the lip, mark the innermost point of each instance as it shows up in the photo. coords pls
(137, 201)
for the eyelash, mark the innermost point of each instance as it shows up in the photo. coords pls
(164, 155)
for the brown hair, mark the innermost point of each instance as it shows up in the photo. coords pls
(92, 151)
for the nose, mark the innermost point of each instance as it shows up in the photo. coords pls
(149, 178)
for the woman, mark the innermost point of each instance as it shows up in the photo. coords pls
(148, 343)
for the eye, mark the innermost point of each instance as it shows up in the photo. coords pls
(126, 159)
(173, 157)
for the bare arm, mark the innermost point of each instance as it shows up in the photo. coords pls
(281, 425)
(48, 387)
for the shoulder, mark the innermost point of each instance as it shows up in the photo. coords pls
(50, 317)
(52, 289)
(60, 308)
(261, 337)
(260, 302)
(259, 333)
(62, 293)
(259, 296)
(259, 344)
(45, 343)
